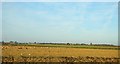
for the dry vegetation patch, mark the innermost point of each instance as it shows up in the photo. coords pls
(57, 54)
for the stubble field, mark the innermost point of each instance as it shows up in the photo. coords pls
(57, 54)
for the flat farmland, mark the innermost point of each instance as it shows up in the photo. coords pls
(58, 53)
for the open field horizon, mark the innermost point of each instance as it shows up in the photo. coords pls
(91, 26)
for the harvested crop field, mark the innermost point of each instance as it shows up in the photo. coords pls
(57, 54)
(56, 51)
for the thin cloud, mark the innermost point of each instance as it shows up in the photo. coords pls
(60, 22)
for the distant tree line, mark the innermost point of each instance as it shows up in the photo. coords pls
(15, 42)
(11, 42)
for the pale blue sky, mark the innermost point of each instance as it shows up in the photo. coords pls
(59, 0)
(60, 22)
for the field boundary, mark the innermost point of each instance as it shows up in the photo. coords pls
(69, 46)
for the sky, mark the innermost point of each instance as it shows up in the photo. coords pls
(0, 21)
(75, 22)
(59, 0)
